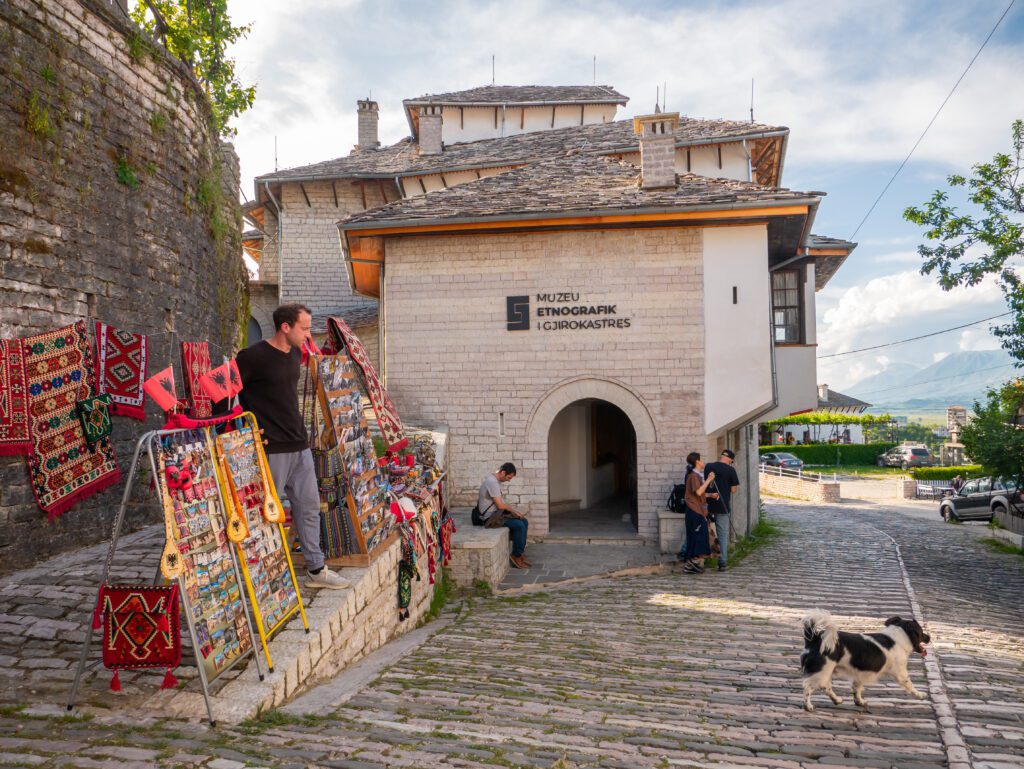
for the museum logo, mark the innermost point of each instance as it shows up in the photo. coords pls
(517, 309)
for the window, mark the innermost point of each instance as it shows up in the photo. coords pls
(786, 314)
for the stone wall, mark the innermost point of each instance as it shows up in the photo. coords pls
(451, 359)
(112, 184)
(799, 489)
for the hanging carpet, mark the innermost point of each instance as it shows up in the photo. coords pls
(121, 359)
(195, 364)
(141, 629)
(94, 414)
(14, 427)
(341, 337)
(63, 467)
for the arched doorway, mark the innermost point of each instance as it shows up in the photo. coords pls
(592, 470)
(254, 332)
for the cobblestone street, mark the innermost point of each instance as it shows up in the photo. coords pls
(653, 671)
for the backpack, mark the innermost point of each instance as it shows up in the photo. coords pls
(676, 500)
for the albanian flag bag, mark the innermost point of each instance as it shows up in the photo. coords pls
(141, 629)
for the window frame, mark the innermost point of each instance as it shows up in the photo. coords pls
(801, 335)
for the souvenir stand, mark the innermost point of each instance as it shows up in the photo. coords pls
(201, 522)
(262, 552)
(356, 524)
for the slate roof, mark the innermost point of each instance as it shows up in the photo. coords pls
(827, 266)
(491, 95)
(577, 182)
(355, 316)
(403, 158)
(836, 400)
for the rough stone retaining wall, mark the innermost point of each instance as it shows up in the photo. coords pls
(799, 489)
(111, 178)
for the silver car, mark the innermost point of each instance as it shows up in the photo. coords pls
(906, 457)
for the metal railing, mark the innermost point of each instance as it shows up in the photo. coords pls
(799, 474)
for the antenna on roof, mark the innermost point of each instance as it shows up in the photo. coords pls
(751, 100)
(664, 95)
(275, 153)
(595, 70)
(657, 99)
(492, 69)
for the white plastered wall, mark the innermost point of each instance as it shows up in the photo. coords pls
(468, 124)
(738, 374)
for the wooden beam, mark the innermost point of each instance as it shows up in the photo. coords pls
(383, 190)
(443, 182)
(667, 218)
(495, 118)
(719, 157)
(462, 117)
(552, 117)
(334, 189)
(689, 165)
(362, 189)
(522, 118)
(303, 188)
(422, 185)
(582, 107)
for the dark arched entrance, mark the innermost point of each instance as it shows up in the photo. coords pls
(592, 470)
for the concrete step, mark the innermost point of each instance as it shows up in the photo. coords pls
(593, 539)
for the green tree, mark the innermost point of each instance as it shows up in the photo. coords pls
(198, 32)
(995, 437)
(996, 235)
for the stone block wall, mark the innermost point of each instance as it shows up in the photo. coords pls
(110, 176)
(799, 489)
(451, 359)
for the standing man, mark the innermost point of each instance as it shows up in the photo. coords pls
(496, 512)
(720, 501)
(270, 390)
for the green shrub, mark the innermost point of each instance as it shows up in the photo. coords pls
(834, 453)
(947, 473)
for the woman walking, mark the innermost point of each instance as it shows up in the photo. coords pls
(698, 543)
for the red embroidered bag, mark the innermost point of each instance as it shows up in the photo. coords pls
(141, 629)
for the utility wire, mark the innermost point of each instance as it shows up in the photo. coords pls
(911, 385)
(914, 338)
(921, 137)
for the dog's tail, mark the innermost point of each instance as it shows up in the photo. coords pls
(819, 624)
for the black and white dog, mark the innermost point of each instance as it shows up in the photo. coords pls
(860, 657)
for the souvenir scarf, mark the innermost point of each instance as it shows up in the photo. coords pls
(63, 467)
(195, 363)
(121, 359)
(342, 338)
(14, 426)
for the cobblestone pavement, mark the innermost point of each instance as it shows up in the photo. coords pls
(651, 671)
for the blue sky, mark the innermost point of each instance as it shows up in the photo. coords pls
(856, 82)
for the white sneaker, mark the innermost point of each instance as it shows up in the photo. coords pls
(328, 579)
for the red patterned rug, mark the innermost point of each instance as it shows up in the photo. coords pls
(121, 358)
(14, 431)
(391, 427)
(141, 628)
(64, 469)
(195, 364)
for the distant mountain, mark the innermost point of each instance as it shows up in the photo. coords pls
(958, 379)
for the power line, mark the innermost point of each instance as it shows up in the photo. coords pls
(914, 338)
(921, 137)
(910, 385)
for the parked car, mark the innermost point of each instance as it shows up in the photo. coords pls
(979, 500)
(906, 457)
(782, 459)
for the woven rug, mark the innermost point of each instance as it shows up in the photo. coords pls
(14, 427)
(195, 363)
(63, 467)
(141, 629)
(121, 359)
(391, 427)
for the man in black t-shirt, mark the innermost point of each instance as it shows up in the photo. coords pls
(270, 390)
(720, 499)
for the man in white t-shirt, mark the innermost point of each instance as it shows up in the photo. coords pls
(493, 508)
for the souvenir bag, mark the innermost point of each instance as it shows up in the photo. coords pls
(14, 430)
(94, 414)
(406, 571)
(141, 629)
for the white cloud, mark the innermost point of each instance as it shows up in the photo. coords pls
(940, 355)
(898, 257)
(978, 338)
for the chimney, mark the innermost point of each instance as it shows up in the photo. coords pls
(430, 130)
(368, 114)
(657, 149)
(823, 393)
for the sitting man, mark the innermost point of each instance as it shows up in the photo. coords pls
(496, 512)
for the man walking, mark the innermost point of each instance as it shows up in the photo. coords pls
(720, 500)
(496, 512)
(270, 382)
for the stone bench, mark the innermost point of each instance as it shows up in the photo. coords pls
(478, 554)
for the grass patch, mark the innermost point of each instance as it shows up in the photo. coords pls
(158, 121)
(274, 718)
(444, 590)
(37, 118)
(764, 532)
(126, 173)
(867, 471)
(1002, 546)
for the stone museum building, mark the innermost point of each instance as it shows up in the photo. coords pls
(590, 301)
